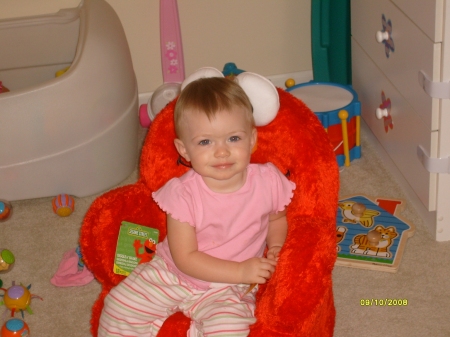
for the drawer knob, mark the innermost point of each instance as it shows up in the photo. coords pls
(382, 36)
(380, 113)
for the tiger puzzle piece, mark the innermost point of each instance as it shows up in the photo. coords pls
(370, 233)
(374, 237)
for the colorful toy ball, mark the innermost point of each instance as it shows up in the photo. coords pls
(6, 260)
(5, 210)
(63, 204)
(15, 327)
(18, 298)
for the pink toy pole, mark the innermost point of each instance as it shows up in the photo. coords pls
(172, 62)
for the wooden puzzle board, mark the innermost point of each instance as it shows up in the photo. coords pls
(380, 214)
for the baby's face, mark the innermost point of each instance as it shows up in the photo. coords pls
(218, 149)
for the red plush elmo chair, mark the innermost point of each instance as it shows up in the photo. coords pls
(298, 300)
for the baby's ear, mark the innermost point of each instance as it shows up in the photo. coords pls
(254, 140)
(181, 149)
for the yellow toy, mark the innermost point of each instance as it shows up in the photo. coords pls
(289, 83)
(62, 71)
(18, 298)
(6, 260)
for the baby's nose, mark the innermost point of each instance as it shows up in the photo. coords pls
(222, 151)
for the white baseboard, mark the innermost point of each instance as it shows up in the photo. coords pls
(277, 80)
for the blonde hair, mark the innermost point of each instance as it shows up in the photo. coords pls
(210, 95)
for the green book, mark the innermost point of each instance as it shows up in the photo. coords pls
(136, 244)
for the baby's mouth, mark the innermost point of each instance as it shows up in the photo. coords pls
(223, 166)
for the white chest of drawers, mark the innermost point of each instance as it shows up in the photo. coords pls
(413, 118)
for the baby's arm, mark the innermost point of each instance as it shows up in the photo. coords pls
(277, 234)
(184, 249)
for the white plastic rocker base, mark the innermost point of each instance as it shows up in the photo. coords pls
(76, 133)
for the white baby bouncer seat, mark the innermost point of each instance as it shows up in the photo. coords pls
(75, 133)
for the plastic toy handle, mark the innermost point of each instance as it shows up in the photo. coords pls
(172, 60)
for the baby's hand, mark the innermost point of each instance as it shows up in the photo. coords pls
(274, 253)
(257, 270)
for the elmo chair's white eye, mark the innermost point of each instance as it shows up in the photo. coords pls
(262, 94)
(201, 73)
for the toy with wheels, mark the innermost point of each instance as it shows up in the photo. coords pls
(298, 300)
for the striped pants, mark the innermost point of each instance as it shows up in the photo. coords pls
(139, 305)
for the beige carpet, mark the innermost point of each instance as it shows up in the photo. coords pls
(39, 239)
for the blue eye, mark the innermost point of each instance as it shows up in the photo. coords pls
(234, 138)
(204, 142)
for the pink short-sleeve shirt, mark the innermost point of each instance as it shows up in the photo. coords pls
(230, 226)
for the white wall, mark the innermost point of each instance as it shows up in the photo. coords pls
(268, 37)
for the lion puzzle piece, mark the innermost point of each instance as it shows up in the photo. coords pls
(370, 234)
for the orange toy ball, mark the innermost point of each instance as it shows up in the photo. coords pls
(17, 297)
(289, 83)
(5, 210)
(15, 327)
(63, 205)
